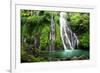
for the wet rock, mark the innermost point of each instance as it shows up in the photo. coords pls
(74, 58)
(82, 57)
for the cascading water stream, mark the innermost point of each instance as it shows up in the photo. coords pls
(69, 39)
(52, 34)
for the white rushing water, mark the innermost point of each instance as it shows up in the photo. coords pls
(52, 34)
(69, 38)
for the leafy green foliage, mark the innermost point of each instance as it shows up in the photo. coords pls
(44, 37)
(84, 41)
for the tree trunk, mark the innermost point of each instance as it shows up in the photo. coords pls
(37, 41)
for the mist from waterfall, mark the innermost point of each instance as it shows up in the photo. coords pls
(69, 38)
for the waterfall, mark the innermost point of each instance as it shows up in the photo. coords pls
(52, 34)
(69, 38)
